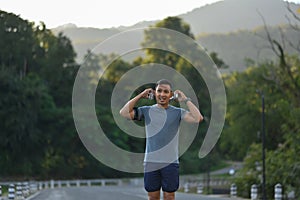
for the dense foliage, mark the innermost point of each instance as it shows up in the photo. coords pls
(241, 138)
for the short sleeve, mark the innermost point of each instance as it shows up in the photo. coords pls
(138, 113)
(183, 113)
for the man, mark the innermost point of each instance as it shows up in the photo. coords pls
(162, 125)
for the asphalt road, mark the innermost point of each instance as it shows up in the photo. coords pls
(108, 193)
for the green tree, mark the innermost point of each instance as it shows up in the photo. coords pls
(282, 128)
(25, 104)
(244, 111)
(152, 37)
(37, 74)
(17, 41)
(56, 64)
(218, 61)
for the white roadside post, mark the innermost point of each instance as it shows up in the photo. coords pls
(52, 184)
(11, 191)
(25, 189)
(278, 192)
(254, 192)
(233, 190)
(19, 192)
(200, 188)
(40, 186)
(186, 187)
(59, 184)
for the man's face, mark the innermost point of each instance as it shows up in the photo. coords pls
(163, 93)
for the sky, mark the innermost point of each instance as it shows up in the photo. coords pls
(97, 13)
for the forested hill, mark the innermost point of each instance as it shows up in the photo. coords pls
(233, 15)
(237, 47)
(218, 27)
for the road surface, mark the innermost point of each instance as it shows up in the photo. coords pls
(108, 193)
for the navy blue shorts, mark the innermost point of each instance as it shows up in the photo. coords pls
(165, 178)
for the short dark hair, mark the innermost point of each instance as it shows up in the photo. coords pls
(164, 81)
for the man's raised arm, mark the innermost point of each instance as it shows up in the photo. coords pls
(194, 115)
(127, 110)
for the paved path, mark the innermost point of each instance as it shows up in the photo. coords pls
(108, 193)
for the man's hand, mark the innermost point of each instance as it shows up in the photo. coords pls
(127, 110)
(181, 95)
(193, 115)
(145, 94)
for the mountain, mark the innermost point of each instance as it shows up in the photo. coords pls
(233, 15)
(219, 27)
(235, 47)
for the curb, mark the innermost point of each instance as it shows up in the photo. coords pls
(32, 196)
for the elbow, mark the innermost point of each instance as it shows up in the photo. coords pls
(122, 112)
(200, 119)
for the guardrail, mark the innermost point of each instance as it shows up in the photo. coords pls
(24, 189)
(21, 190)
